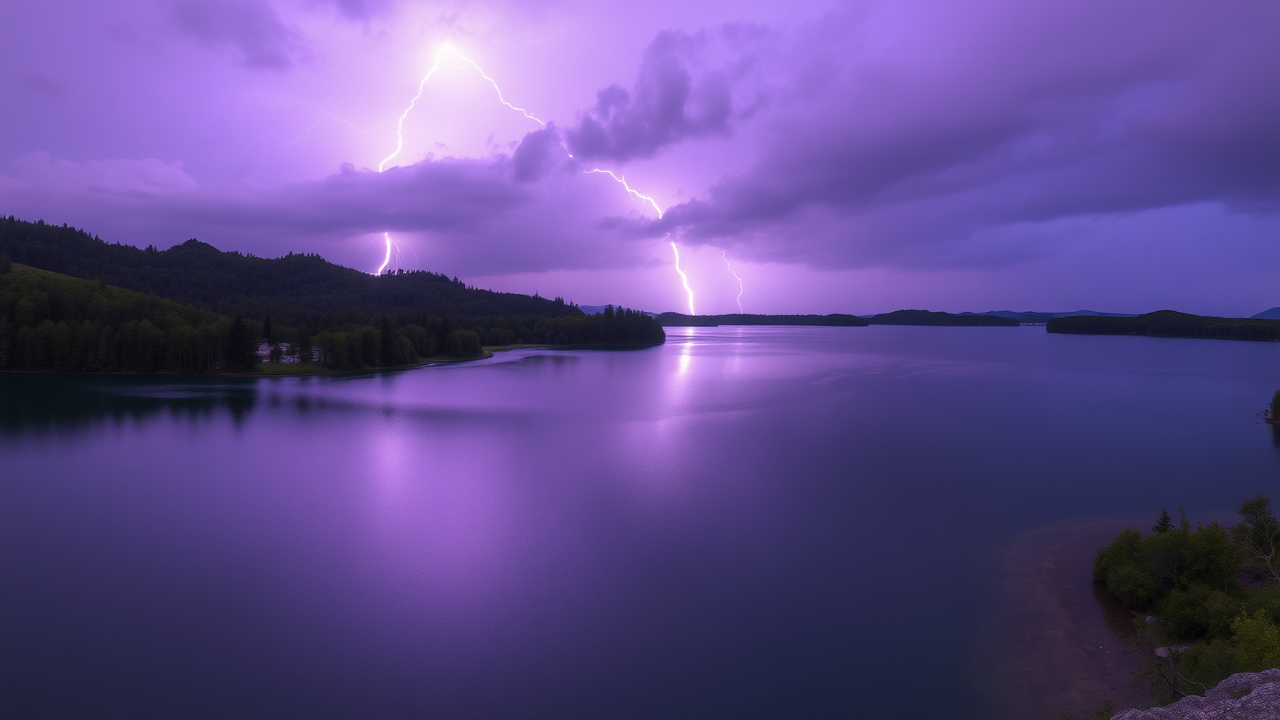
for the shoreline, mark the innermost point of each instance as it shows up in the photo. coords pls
(313, 371)
(1057, 645)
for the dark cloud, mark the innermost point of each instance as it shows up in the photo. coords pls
(469, 214)
(665, 105)
(907, 132)
(249, 28)
(361, 9)
(537, 154)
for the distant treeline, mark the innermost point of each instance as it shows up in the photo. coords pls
(294, 289)
(424, 336)
(671, 319)
(1167, 323)
(929, 317)
(53, 322)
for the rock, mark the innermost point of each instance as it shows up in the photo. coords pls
(1243, 696)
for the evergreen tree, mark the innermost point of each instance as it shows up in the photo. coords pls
(386, 344)
(1164, 524)
(240, 352)
(267, 333)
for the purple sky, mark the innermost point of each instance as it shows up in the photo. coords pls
(844, 157)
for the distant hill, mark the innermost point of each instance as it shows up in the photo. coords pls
(1043, 317)
(1272, 314)
(292, 289)
(1167, 323)
(599, 310)
(670, 319)
(927, 317)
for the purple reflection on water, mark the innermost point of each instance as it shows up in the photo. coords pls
(747, 522)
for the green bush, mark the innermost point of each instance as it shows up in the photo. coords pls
(463, 343)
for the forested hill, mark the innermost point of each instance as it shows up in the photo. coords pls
(293, 289)
(928, 317)
(1167, 323)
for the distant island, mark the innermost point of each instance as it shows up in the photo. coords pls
(928, 317)
(71, 302)
(670, 319)
(1170, 324)
(898, 317)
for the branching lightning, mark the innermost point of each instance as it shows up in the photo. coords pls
(448, 49)
(735, 277)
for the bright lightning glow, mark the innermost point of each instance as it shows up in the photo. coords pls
(735, 277)
(387, 259)
(683, 278)
(449, 50)
(422, 85)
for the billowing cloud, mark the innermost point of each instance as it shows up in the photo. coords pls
(914, 139)
(665, 106)
(471, 216)
(249, 28)
(537, 154)
(908, 128)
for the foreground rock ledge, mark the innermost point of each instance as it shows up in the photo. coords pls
(1243, 696)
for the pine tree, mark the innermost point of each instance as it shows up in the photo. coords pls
(240, 351)
(1164, 524)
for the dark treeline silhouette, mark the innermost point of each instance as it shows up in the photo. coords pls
(1167, 323)
(53, 322)
(405, 338)
(671, 319)
(294, 289)
(929, 317)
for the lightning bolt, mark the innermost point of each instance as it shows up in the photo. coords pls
(385, 261)
(444, 50)
(449, 50)
(622, 181)
(683, 278)
(735, 277)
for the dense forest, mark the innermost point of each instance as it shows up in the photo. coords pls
(53, 322)
(1167, 323)
(294, 289)
(50, 321)
(671, 319)
(929, 317)
(1208, 597)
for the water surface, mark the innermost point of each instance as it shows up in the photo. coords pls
(744, 522)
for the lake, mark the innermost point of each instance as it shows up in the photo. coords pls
(745, 522)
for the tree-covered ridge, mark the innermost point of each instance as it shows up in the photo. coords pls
(1209, 596)
(672, 319)
(50, 321)
(1168, 323)
(53, 322)
(930, 317)
(296, 288)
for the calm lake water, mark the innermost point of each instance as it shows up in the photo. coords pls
(744, 522)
